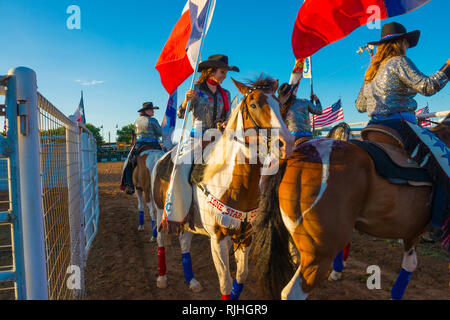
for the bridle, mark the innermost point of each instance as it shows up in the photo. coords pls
(247, 114)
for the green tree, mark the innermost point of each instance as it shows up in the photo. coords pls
(125, 134)
(96, 132)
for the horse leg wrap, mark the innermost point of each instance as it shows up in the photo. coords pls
(400, 285)
(346, 252)
(226, 297)
(141, 218)
(161, 261)
(187, 266)
(155, 231)
(237, 290)
(338, 265)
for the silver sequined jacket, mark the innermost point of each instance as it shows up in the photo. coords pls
(205, 115)
(297, 118)
(394, 87)
(147, 128)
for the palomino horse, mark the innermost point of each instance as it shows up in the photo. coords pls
(226, 200)
(327, 188)
(146, 160)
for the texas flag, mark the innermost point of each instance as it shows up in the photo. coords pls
(321, 22)
(179, 55)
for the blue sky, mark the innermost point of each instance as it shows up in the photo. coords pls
(112, 58)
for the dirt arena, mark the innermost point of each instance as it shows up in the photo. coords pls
(122, 262)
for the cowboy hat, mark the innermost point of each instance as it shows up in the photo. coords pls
(286, 91)
(216, 61)
(147, 106)
(394, 31)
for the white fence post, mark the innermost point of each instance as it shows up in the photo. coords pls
(31, 194)
(74, 186)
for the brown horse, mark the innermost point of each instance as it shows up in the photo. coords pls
(225, 202)
(327, 188)
(146, 160)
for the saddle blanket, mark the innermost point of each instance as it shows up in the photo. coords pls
(438, 148)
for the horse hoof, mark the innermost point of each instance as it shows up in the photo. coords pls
(161, 282)
(195, 286)
(141, 228)
(335, 276)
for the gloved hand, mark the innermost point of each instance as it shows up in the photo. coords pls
(446, 69)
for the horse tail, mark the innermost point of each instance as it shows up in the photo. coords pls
(271, 254)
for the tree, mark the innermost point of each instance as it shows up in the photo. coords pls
(96, 132)
(125, 134)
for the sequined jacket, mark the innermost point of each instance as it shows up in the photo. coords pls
(207, 108)
(297, 118)
(394, 87)
(147, 128)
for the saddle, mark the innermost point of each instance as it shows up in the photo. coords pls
(386, 148)
(166, 167)
(301, 140)
(146, 147)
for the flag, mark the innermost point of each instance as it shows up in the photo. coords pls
(297, 73)
(307, 70)
(179, 55)
(321, 22)
(423, 122)
(330, 115)
(79, 112)
(169, 121)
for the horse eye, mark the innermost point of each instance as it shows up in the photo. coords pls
(253, 106)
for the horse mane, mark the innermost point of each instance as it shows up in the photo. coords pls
(444, 124)
(222, 151)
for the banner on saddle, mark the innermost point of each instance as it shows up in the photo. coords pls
(222, 208)
(430, 144)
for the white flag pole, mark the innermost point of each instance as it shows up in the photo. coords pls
(172, 176)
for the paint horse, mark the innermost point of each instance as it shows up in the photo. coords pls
(226, 200)
(327, 188)
(146, 160)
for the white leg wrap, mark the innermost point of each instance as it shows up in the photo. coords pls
(410, 260)
(293, 291)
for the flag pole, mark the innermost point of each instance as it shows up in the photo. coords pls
(172, 176)
(312, 92)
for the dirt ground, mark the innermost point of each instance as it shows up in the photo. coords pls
(122, 262)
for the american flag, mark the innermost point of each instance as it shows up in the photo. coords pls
(424, 111)
(330, 115)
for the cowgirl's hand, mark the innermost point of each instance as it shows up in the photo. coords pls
(190, 95)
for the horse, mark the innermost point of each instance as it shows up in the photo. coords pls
(145, 162)
(226, 199)
(327, 188)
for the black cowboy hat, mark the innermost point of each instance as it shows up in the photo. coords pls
(147, 106)
(216, 61)
(394, 31)
(285, 91)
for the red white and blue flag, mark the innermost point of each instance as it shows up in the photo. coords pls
(169, 121)
(179, 55)
(79, 112)
(329, 115)
(424, 123)
(321, 22)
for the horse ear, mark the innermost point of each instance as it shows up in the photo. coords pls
(275, 86)
(241, 87)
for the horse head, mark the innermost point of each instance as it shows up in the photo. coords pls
(442, 130)
(342, 132)
(261, 110)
